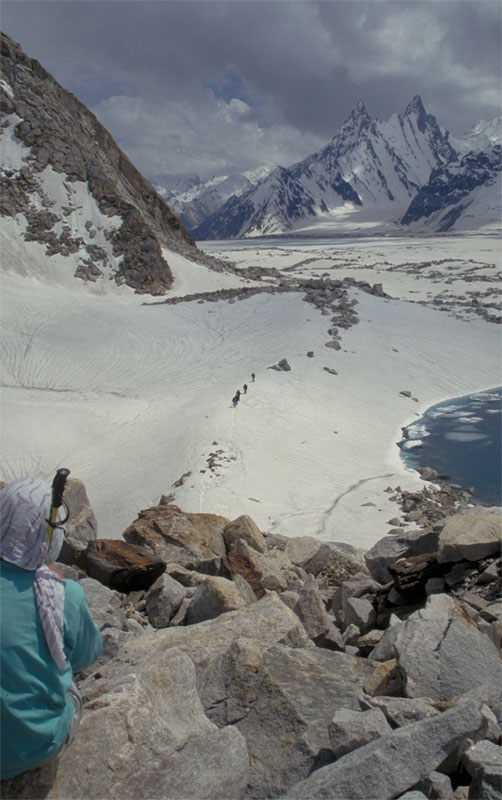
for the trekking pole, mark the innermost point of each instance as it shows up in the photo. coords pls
(58, 485)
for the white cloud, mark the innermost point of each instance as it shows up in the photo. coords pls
(299, 68)
(179, 137)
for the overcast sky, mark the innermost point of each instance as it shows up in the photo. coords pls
(208, 87)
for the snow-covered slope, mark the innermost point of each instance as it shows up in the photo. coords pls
(131, 397)
(66, 182)
(364, 179)
(482, 136)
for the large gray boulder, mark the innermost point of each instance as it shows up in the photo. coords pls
(436, 785)
(145, 735)
(349, 729)
(214, 596)
(282, 700)
(359, 611)
(269, 620)
(163, 600)
(443, 654)
(470, 537)
(105, 606)
(81, 525)
(483, 761)
(311, 609)
(244, 528)
(394, 763)
(356, 586)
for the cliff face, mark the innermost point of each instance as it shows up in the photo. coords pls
(61, 134)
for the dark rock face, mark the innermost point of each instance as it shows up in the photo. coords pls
(449, 185)
(62, 133)
(122, 566)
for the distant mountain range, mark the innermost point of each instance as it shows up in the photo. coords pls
(195, 199)
(403, 174)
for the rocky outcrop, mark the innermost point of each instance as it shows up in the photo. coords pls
(61, 134)
(393, 763)
(258, 666)
(121, 566)
(470, 538)
(145, 734)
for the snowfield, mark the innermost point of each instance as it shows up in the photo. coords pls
(134, 396)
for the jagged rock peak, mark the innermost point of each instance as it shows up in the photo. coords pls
(360, 108)
(417, 107)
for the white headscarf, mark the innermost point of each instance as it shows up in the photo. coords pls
(24, 512)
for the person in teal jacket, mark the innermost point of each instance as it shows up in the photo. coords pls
(46, 634)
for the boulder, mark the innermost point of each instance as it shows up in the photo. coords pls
(330, 562)
(470, 537)
(402, 710)
(194, 541)
(442, 653)
(282, 700)
(335, 562)
(270, 571)
(244, 566)
(311, 609)
(300, 549)
(121, 566)
(145, 735)
(268, 620)
(394, 763)
(385, 680)
(331, 638)
(214, 596)
(349, 729)
(369, 641)
(388, 550)
(163, 600)
(355, 586)
(106, 608)
(436, 786)
(243, 528)
(483, 761)
(359, 611)
(81, 525)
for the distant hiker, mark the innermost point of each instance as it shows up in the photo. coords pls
(235, 400)
(46, 632)
(252, 376)
(245, 388)
(238, 394)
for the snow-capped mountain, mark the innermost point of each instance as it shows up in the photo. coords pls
(68, 186)
(364, 179)
(453, 192)
(194, 199)
(482, 136)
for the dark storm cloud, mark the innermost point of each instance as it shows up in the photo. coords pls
(161, 75)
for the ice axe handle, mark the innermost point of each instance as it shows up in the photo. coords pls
(58, 485)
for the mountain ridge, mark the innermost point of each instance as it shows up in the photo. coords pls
(376, 166)
(74, 190)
